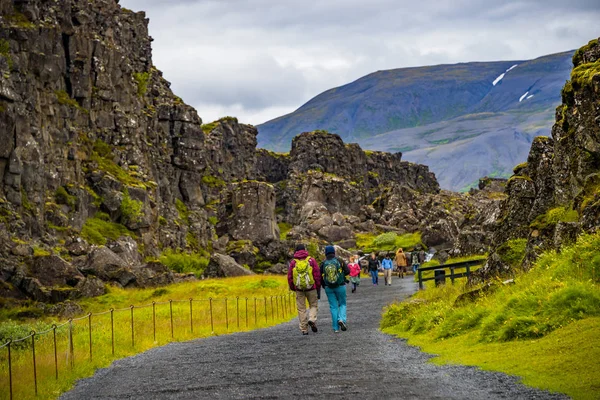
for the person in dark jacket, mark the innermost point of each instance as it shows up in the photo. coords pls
(374, 266)
(306, 288)
(333, 276)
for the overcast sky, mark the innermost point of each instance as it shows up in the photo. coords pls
(259, 59)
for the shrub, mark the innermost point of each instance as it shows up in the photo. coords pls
(284, 228)
(185, 262)
(141, 78)
(131, 210)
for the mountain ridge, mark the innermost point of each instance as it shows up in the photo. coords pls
(409, 102)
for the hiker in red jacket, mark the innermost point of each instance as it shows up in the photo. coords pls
(304, 277)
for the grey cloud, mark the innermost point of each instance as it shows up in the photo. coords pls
(266, 55)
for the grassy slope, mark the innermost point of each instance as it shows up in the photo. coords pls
(544, 328)
(259, 287)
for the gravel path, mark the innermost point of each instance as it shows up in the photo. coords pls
(278, 362)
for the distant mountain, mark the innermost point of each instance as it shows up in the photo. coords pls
(463, 120)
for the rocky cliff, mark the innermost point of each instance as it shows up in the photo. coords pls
(555, 195)
(107, 176)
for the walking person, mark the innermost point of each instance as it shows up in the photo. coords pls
(388, 267)
(333, 276)
(401, 262)
(354, 268)
(304, 277)
(414, 257)
(374, 266)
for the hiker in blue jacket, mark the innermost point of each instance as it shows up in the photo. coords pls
(388, 267)
(333, 278)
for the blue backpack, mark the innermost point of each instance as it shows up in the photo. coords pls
(332, 273)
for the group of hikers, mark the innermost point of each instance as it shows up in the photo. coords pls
(306, 277)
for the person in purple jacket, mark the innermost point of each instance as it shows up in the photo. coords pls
(304, 277)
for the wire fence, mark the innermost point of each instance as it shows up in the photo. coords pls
(80, 345)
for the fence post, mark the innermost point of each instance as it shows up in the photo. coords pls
(277, 305)
(55, 351)
(90, 333)
(272, 314)
(226, 314)
(237, 311)
(132, 330)
(468, 271)
(112, 330)
(191, 317)
(246, 312)
(171, 311)
(212, 326)
(154, 320)
(452, 274)
(266, 319)
(255, 313)
(9, 369)
(34, 364)
(71, 349)
(420, 279)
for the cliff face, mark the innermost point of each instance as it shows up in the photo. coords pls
(103, 169)
(555, 195)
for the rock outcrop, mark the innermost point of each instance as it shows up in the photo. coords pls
(555, 195)
(103, 169)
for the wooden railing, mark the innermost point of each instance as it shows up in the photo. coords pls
(452, 267)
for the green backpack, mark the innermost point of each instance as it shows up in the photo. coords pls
(303, 275)
(332, 272)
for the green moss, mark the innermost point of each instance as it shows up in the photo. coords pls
(512, 251)
(19, 20)
(162, 221)
(103, 157)
(63, 98)
(213, 181)
(578, 56)
(141, 78)
(554, 216)
(63, 197)
(27, 205)
(98, 229)
(213, 220)
(516, 177)
(131, 210)
(192, 241)
(518, 168)
(207, 128)
(582, 75)
(40, 252)
(284, 229)
(184, 212)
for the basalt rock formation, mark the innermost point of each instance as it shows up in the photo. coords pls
(103, 170)
(555, 195)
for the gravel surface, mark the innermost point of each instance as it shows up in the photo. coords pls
(278, 362)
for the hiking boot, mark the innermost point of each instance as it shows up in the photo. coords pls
(304, 333)
(336, 331)
(342, 325)
(313, 326)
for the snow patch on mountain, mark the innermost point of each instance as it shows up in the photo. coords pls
(499, 78)
(522, 97)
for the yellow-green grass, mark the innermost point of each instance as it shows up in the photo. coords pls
(269, 303)
(543, 328)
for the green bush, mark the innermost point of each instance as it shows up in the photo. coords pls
(185, 262)
(141, 78)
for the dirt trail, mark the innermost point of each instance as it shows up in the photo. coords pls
(278, 362)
